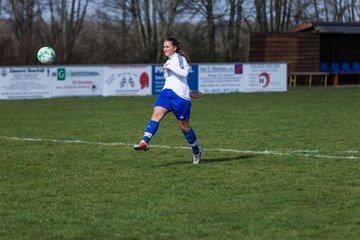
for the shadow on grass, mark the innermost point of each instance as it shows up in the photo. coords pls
(226, 159)
(213, 160)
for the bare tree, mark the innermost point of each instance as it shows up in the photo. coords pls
(274, 16)
(72, 18)
(167, 11)
(316, 10)
(154, 20)
(210, 10)
(23, 14)
(352, 11)
(145, 28)
(234, 28)
(66, 22)
(219, 27)
(326, 10)
(261, 16)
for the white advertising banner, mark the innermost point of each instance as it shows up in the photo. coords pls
(127, 80)
(24, 83)
(252, 77)
(76, 81)
(219, 78)
(264, 77)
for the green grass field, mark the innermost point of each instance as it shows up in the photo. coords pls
(275, 166)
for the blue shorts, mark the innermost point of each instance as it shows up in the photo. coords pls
(172, 102)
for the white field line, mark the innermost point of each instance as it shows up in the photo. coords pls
(305, 153)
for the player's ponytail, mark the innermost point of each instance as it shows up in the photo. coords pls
(179, 48)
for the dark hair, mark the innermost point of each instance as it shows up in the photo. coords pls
(179, 47)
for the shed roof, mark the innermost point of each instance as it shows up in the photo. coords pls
(328, 27)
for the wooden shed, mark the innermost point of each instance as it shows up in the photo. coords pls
(299, 50)
(307, 46)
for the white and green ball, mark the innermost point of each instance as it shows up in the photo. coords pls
(46, 55)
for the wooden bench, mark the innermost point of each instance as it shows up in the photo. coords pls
(308, 78)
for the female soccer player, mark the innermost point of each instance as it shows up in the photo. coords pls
(175, 97)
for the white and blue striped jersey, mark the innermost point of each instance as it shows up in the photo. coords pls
(176, 76)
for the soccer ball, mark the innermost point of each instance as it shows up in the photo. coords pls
(46, 55)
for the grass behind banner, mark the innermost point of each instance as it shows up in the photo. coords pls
(74, 190)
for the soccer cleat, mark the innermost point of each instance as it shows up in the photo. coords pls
(142, 146)
(197, 157)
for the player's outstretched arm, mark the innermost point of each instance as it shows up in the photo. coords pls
(195, 94)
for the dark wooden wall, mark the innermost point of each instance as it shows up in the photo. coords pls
(300, 50)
